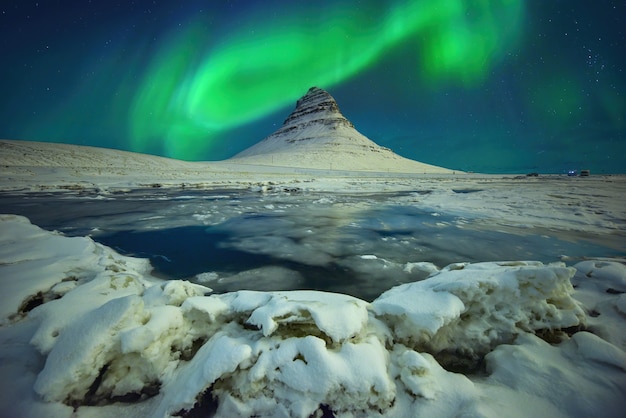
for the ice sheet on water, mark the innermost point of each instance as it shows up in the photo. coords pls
(262, 278)
(319, 236)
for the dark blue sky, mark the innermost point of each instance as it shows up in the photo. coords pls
(514, 86)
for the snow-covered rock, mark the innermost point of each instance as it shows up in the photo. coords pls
(468, 309)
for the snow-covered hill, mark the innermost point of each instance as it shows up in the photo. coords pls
(317, 135)
(48, 154)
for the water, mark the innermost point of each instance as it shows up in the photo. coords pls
(231, 240)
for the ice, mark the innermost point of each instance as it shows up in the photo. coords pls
(262, 278)
(529, 337)
(300, 243)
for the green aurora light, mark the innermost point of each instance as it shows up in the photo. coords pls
(189, 94)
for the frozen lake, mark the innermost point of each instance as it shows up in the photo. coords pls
(357, 244)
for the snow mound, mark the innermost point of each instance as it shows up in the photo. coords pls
(37, 266)
(601, 287)
(468, 309)
(168, 348)
(583, 376)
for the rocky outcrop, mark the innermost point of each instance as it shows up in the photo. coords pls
(315, 107)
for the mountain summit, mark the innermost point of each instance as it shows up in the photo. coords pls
(317, 135)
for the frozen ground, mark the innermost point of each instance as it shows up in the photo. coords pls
(88, 332)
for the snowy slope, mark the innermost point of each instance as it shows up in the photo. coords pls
(37, 165)
(48, 154)
(317, 135)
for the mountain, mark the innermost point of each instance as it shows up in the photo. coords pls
(317, 135)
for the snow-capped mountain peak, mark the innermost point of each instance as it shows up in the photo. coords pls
(317, 135)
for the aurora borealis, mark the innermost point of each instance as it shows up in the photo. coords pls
(493, 86)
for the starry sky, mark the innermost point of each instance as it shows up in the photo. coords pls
(500, 86)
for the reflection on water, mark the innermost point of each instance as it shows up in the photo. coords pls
(229, 240)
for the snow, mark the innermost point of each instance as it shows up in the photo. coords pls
(55, 266)
(565, 374)
(122, 340)
(316, 135)
(87, 332)
(469, 309)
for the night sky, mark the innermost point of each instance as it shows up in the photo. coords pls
(495, 86)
